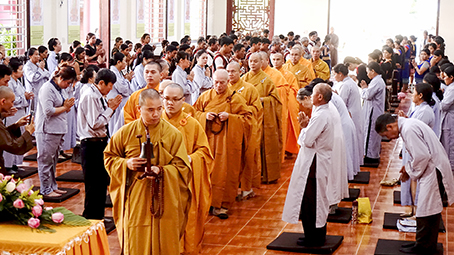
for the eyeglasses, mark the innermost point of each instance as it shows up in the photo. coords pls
(173, 100)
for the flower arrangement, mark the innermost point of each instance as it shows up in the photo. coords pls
(20, 204)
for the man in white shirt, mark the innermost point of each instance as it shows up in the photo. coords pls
(94, 114)
(429, 165)
(54, 48)
(221, 58)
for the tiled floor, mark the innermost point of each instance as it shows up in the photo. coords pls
(256, 222)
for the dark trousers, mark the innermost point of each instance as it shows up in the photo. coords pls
(96, 178)
(308, 214)
(427, 231)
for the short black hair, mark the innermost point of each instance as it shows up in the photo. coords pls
(105, 75)
(52, 43)
(266, 41)
(384, 120)
(42, 49)
(5, 70)
(238, 47)
(255, 40)
(171, 48)
(225, 41)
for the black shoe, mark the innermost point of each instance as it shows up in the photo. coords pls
(18, 169)
(65, 155)
(418, 250)
(408, 245)
(10, 170)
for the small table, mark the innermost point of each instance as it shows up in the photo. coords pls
(67, 240)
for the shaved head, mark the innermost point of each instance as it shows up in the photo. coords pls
(325, 90)
(6, 92)
(148, 94)
(233, 65)
(173, 85)
(221, 73)
(221, 80)
(233, 69)
(164, 84)
(277, 59)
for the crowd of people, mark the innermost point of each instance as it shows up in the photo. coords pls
(222, 115)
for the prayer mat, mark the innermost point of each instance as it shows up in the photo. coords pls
(390, 222)
(28, 171)
(287, 242)
(33, 157)
(397, 199)
(391, 247)
(108, 201)
(343, 215)
(71, 176)
(70, 193)
(353, 195)
(361, 178)
(109, 224)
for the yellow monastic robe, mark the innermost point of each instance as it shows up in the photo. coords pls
(226, 143)
(303, 74)
(321, 69)
(138, 231)
(131, 113)
(283, 89)
(271, 145)
(293, 109)
(308, 64)
(198, 149)
(251, 170)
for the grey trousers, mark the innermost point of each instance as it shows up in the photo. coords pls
(48, 150)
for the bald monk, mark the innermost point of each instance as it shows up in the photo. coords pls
(152, 74)
(140, 232)
(293, 129)
(201, 159)
(304, 75)
(187, 108)
(271, 144)
(11, 139)
(225, 118)
(250, 174)
(320, 67)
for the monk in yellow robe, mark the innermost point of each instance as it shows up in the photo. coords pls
(251, 169)
(140, 232)
(225, 117)
(320, 67)
(293, 128)
(187, 108)
(303, 74)
(271, 144)
(282, 87)
(201, 159)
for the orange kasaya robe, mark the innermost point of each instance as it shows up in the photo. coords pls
(131, 113)
(198, 149)
(138, 231)
(304, 75)
(271, 145)
(321, 69)
(293, 109)
(251, 170)
(226, 141)
(283, 89)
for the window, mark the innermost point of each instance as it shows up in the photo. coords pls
(13, 31)
(155, 16)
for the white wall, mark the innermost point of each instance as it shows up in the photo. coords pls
(445, 23)
(216, 17)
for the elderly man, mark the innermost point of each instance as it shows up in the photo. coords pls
(131, 193)
(226, 119)
(303, 74)
(11, 139)
(320, 67)
(250, 174)
(201, 159)
(308, 197)
(271, 145)
(429, 165)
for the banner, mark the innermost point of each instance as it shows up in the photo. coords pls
(187, 17)
(140, 18)
(114, 19)
(73, 20)
(171, 18)
(36, 23)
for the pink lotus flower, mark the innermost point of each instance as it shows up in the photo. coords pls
(33, 222)
(37, 210)
(58, 217)
(1, 197)
(401, 95)
(30, 192)
(7, 177)
(39, 201)
(19, 204)
(21, 187)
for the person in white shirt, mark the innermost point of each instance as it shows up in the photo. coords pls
(138, 81)
(183, 79)
(52, 59)
(430, 166)
(202, 80)
(35, 75)
(93, 115)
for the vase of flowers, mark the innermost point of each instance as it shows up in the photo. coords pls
(21, 205)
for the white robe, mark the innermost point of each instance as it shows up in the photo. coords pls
(34, 78)
(437, 115)
(349, 92)
(426, 155)
(138, 81)
(316, 138)
(350, 138)
(121, 87)
(374, 106)
(447, 122)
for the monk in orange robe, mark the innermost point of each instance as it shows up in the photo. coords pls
(293, 128)
(251, 167)
(283, 88)
(140, 232)
(271, 145)
(201, 159)
(303, 74)
(320, 67)
(225, 118)
(187, 108)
